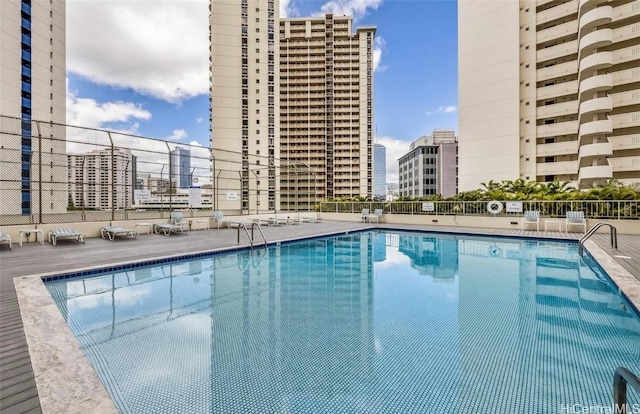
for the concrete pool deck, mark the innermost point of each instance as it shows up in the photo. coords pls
(42, 368)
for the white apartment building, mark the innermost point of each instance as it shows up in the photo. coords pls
(244, 88)
(32, 85)
(100, 181)
(431, 166)
(549, 89)
(326, 109)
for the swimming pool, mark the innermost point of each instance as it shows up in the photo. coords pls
(364, 322)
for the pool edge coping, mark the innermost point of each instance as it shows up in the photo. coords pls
(57, 358)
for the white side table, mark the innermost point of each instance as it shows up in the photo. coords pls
(148, 226)
(553, 222)
(29, 231)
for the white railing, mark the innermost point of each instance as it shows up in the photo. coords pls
(614, 209)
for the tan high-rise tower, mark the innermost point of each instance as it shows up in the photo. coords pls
(33, 87)
(549, 89)
(244, 104)
(326, 108)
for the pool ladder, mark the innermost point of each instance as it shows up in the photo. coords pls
(614, 236)
(621, 379)
(251, 237)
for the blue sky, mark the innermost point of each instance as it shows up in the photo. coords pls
(141, 66)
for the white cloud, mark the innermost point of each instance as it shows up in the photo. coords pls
(447, 109)
(287, 8)
(378, 45)
(428, 113)
(89, 113)
(157, 48)
(395, 149)
(355, 8)
(199, 119)
(178, 134)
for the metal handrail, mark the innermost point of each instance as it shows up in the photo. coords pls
(251, 236)
(243, 226)
(614, 236)
(254, 224)
(621, 378)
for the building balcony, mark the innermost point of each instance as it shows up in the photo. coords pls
(557, 12)
(625, 142)
(621, 164)
(557, 148)
(586, 5)
(626, 98)
(631, 9)
(595, 84)
(625, 77)
(625, 55)
(554, 91)
(625, 33)
(557, 168)
(560, 109)
(625, 120)
(590, 129)
(594, 106)
(587, 175)
(595, 17)
(556, 32)
(594, 40)
(561, 128)
(592, 63)
(557, 71)
(589, 151)
(557, 51)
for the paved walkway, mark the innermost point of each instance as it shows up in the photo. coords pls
(18, 392)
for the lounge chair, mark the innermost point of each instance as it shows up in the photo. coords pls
(576, 218)
(530, 217)
(112, 231)
(219, 219)
(5, 238)
(364, 215)
(377, 215)
(177, 224)
(65, 233)
(306, 219)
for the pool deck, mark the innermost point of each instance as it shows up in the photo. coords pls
(18, 392)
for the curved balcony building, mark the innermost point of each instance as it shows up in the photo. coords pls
(566, 105)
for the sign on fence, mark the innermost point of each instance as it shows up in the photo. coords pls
(514, 207)
(142, 195)
(232, 196)
(428, 206)
(195, 197)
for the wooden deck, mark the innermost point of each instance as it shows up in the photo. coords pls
(18, 392)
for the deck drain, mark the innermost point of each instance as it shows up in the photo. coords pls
(622, 257)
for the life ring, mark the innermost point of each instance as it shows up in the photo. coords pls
(495, 251)
(494, 207)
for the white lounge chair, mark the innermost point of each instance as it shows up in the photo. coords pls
(530, 217)
(112, 231)
(377, 215)
(576, 218)
(5, 238)
(364, 215)
(65, 233)
(177, 224)
(219, 219)
(306, 219)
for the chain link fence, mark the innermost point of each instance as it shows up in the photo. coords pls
(56, 173)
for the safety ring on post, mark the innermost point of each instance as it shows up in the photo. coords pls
(494, 207)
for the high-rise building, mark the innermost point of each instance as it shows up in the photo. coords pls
(379, 172)
(244, 71)
(180, 166)
(326, 109)
(32, 81)
(102, 179)
(431, 166)
(550, 93)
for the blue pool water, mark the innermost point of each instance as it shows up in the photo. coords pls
(369, 322)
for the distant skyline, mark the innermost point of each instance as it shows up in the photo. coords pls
(142, 67)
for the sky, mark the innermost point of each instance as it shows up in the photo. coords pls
(142, 66)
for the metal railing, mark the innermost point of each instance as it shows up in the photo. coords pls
(621, 379)
(251, 237)
(614, 236)
(593, 209)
